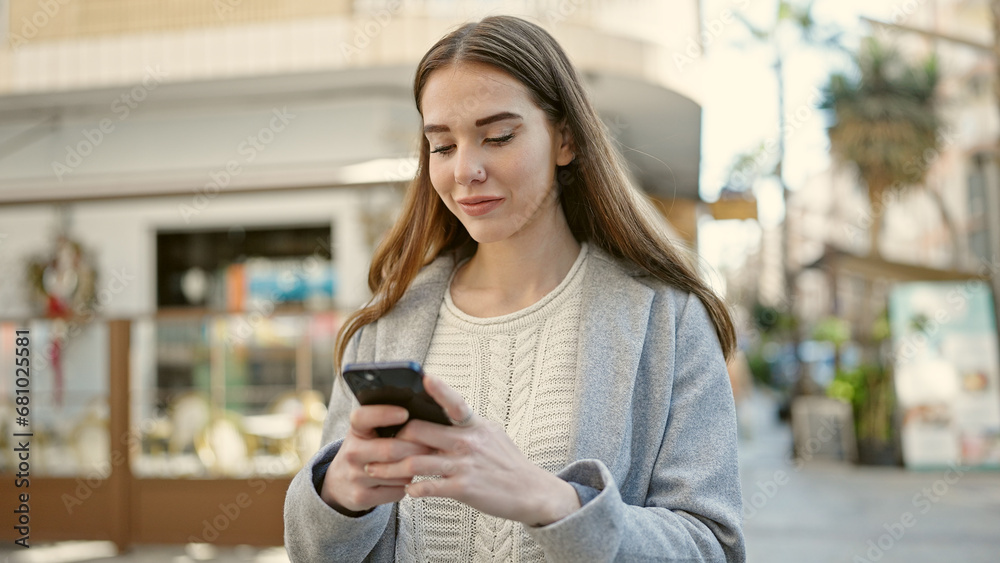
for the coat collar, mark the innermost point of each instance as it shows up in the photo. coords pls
(615, 312)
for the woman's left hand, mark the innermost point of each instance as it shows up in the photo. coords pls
(478, 465)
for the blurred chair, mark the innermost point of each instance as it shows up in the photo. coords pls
(224, 447)
(189, 414)
(91, 441)
(306, 410)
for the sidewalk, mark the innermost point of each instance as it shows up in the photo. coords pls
(826, 513)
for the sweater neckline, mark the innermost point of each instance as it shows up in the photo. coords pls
(521, 313)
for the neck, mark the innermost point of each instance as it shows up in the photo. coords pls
(522, 269)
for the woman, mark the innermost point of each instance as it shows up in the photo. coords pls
(577, 353)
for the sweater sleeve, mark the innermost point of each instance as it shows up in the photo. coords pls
(693, 508)
(314, 531)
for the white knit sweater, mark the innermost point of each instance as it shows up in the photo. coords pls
(520, 371)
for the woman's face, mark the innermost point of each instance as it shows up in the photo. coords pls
(493, 153)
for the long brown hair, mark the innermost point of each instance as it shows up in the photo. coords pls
(599, 201)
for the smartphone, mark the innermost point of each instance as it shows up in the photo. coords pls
(394, 383)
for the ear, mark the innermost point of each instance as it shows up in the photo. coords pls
(566, 151)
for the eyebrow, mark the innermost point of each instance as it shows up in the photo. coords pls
(479, 122)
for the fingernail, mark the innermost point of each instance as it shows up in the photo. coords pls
(369, 469)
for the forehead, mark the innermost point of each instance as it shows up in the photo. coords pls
(464, 92)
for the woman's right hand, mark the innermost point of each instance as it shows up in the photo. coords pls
(347, 487)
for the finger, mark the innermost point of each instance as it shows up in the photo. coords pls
(433, 488)
(396, 482)
(451, 400)
(387, 450)
(366, 418)
(382, 495)
(439, 437)
(412, 466)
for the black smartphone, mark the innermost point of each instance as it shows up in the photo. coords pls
(394, 383)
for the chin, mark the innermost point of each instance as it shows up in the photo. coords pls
(486, 235)
(482, 238)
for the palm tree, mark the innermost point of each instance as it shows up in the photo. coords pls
(885, 123)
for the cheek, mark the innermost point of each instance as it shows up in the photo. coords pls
(439, 176)
(533, 169)
(514, 167)
(537, 162)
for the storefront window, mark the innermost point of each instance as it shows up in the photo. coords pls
(231, 375)
(230, 395)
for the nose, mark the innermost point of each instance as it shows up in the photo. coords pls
(469, 167)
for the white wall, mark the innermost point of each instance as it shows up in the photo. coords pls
(122, 237)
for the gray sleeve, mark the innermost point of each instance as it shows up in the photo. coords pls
(314, 531)
(693, 510)
(584, 493)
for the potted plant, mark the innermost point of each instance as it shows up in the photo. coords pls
(868, 387)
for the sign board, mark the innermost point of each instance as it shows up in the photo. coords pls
(733, 209)
(947, 373)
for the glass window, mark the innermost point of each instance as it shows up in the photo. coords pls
(67, 399)
(231, 377)
(230, 395)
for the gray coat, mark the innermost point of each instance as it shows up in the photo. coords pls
(655, 430)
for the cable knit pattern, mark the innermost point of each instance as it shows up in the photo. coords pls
(518, 370)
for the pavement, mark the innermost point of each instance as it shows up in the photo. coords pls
(817, 512)
(823, 512)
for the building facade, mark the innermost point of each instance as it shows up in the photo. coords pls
(224, 170)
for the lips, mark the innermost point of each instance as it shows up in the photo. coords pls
(479, 205)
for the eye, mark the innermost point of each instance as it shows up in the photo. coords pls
(497, 141)
(502, 140)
